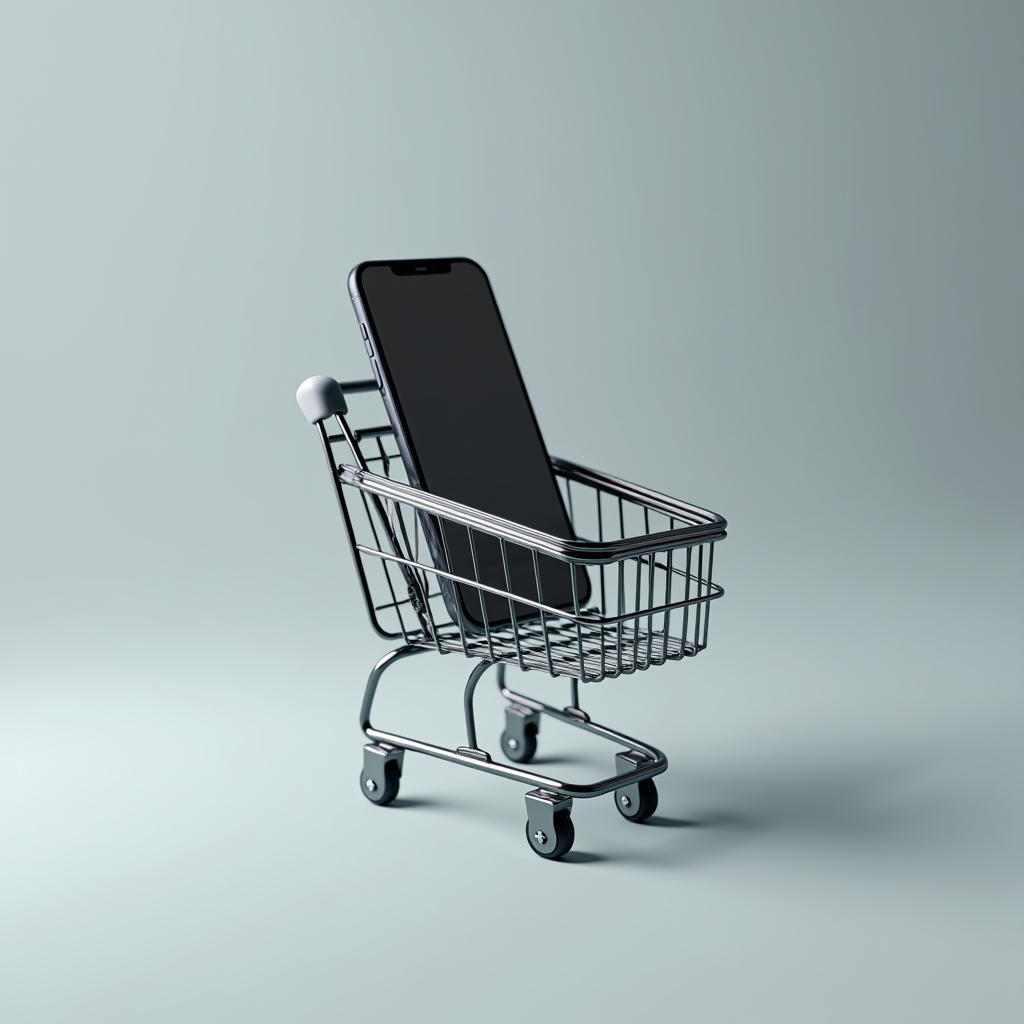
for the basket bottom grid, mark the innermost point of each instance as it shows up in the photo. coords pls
(607, 651)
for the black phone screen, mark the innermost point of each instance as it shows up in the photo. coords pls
(468, 427)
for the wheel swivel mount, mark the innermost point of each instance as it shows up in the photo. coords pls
(549, 828)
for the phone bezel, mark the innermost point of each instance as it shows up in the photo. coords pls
(392, 402)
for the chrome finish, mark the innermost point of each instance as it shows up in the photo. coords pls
(354, 387)
(518, 721)
(654, 764)
(376, 756)
(580, 551)
(474, 752)
(467, 703)
(379, 669)
(541, 808)
(578, 713)
(649, 559)
(626, 764)
(646, 555)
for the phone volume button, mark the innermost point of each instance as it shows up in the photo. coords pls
(376, 373)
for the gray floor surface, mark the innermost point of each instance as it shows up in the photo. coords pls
(763, 257)
(839, 836)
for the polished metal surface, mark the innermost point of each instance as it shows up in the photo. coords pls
(376, 758)
(625, 764)
(541, 808)
(653, 761)
(649, 558)
(521, 728)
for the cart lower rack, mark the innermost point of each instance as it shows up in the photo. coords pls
(441, 576)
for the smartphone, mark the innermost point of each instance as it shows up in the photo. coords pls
(465, 427)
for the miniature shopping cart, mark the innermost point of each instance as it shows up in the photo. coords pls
(646, 560)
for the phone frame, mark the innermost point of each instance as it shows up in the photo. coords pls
(452, 594)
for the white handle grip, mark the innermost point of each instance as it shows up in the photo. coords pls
(319, 398)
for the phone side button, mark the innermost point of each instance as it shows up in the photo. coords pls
(376, 373)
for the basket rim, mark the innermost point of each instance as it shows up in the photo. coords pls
(708, 527)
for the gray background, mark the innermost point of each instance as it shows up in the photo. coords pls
(765, 257)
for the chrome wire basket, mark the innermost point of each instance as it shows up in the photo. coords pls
(640, 566)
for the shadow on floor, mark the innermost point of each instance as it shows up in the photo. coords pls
(404, 802)
(876, 803)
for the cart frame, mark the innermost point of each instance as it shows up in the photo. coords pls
(589, 643)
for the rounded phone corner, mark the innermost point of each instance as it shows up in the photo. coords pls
(353, 280)
(472, 263)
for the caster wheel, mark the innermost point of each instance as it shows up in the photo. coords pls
(639, 802)
(375, 792)
(558, 845)
(520, 748)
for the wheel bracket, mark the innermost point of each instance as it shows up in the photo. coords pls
(519, 721)
(628, 761)
(376, 756)
(541, 808)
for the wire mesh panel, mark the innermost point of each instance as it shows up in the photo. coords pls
(634, 583)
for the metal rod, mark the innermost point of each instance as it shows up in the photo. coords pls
(378, 670)
(588, 726)
(387, 570)
(410, 579)
(480, 595)
(467, 702)
(511, 604)
(352, 387)
(456, 596)
(585, 552)
(656, 761)
(339, 491)
(707, 607)
(353, 444)
(543, 620)
(584, 791)
(366, 432)
(716, 591)
(697, 607)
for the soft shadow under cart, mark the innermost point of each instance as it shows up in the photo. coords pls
(649, 559)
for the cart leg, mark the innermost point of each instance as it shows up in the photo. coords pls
(379, 669)
(471, 749)
(382, 769)
(549, 829)
(639, 801)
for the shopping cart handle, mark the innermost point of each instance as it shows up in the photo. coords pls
(319, 398)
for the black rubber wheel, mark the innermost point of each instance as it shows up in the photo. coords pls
(642, 809)
(557, 845)
(381, 795)
(524, 749)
